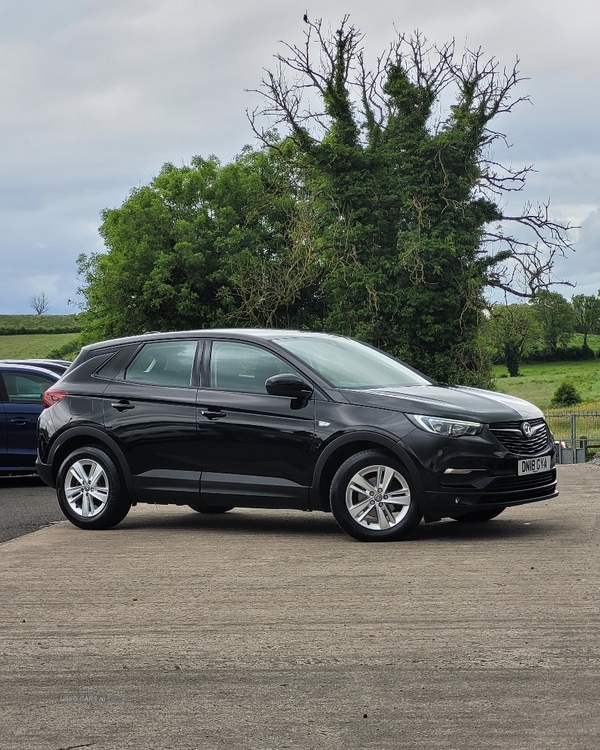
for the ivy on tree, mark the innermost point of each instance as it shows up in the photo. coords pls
(409, 204)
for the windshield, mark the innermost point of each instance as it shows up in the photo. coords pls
(346, 363)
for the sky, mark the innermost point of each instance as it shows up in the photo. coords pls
(98, 94)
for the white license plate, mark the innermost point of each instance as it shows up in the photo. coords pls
(533, 465)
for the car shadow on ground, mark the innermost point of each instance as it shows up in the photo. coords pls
(20, 480)
(249, 521)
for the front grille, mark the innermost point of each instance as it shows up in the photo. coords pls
(511, 436)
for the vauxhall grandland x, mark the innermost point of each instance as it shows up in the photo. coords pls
(219, 419)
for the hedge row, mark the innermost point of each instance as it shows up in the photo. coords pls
(19, 325)
(31, 331)
(562, 354)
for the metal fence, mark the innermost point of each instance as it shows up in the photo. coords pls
(577, 434)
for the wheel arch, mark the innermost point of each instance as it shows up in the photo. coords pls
(345, 446)
(81, 437)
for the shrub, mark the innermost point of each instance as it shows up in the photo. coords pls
(566, 395)
(67, 351)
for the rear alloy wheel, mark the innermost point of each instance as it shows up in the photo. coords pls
(90, 490)
(479, 516)
(372, 500)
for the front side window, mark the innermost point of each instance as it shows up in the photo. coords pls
(25, 388)
(244, 367)
(163, 363)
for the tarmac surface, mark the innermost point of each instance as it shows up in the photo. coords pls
(267, 630)
(26, 505)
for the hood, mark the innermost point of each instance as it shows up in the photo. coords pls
(456, 402)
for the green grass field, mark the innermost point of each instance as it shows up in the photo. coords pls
(593, 341)
(24, 336)
(538, 382)
(22, 346)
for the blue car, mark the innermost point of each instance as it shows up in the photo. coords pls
(21, 389)
(59, 366)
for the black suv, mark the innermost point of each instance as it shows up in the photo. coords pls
(283, 419)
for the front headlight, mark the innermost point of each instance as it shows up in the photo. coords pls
(447, 427)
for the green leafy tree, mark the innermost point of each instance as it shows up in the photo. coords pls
(556, 318)
(513, 332)
(587, 315)
(273, 262)
(161, 270)
(205, 245)
(411, 228)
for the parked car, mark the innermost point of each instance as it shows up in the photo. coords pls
(281, 419)
(21, 390)
(55, 365)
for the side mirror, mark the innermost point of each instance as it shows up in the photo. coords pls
(289, 385)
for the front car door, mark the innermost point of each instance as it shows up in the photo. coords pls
(256, 449)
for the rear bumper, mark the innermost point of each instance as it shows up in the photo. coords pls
(45, 473)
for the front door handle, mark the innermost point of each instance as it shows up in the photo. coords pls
(122, 405)
(20, 421)
(213, 413)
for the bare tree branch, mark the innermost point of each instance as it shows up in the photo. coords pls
(39, 302)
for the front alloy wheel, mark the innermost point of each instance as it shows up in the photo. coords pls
(371, 498)
(90, 491)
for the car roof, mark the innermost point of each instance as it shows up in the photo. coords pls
(241, 333)
(54, 364)
(33, 360)
(32, 369)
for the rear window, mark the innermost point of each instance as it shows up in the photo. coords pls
(163, 363)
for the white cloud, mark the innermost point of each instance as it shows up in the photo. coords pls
(96, 96)
(583, 266)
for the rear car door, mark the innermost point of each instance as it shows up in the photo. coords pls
(150, 411)
(256, 449)
(21, 393)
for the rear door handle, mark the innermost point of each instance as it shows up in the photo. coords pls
(213, 413)
(20, 420)
(122, 405)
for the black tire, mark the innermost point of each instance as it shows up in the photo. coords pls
(372, 499)
(90, 490)
(479, 516)
(212, 509)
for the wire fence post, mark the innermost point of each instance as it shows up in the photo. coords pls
(576, 435)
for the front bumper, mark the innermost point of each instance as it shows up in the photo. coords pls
(498, 492)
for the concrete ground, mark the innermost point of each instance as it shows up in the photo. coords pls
(266, 630)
